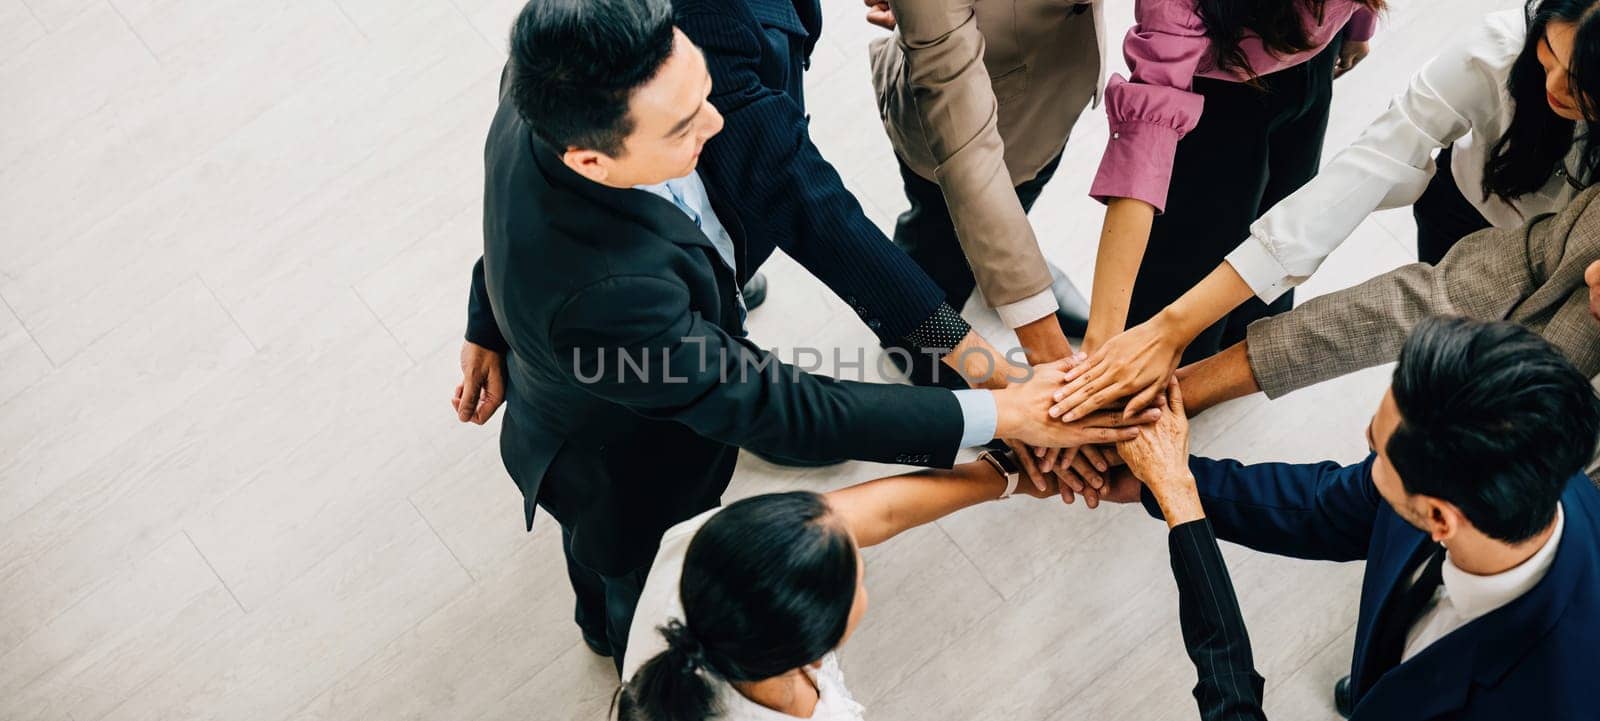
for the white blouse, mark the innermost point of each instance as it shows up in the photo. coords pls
(1461, 97)
(660, 602)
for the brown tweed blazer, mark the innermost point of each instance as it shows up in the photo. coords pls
(1532, 275)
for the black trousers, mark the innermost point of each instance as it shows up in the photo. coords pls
(1443, 214)
(1252, 147)
(605, 603)
(611, 521)
(928, 234)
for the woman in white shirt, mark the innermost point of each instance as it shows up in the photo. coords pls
(1516, 136)
(746, 604)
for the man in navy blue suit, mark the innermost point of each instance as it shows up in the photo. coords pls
(1481, 535)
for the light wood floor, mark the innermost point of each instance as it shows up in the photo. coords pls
(234, 245)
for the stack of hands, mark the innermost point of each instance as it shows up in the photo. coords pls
(1082, 434)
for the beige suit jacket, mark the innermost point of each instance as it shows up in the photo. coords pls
(978, 96)
(1531, 275)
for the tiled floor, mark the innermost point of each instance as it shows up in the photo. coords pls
(234, 244)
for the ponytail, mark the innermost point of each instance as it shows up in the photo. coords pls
(673, 686)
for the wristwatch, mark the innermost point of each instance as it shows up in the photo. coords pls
(1004, 462)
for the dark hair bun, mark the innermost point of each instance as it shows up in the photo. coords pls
(682, 641)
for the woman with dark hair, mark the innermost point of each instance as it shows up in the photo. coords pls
(1510, 111)
(746, 604)
(1222, 115)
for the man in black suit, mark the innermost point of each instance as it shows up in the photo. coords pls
(788, 196)
(611, 273)
(1482, 591)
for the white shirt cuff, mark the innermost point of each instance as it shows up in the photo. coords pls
(1267, 278)
(979, 416)
(1028, 310)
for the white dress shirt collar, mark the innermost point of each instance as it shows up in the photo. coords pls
(1463, 597)
(1473, 596)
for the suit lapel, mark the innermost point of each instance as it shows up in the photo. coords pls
(1443, 668)
(661, 217)
(669, 221)
(1401, 544)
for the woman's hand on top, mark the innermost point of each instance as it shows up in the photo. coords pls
(1135, 364)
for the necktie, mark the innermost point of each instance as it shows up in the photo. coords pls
(680, 198)
(1404, 608)
(683, 205)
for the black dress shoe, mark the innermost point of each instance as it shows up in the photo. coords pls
(603, 650)
(755, 292)
(779, 460)
(1341, 697)
(1074, 309)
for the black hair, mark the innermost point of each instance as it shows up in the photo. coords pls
(1492, 419)
(1535, 145)
(1278, 24)
(767, 587)
(574, 64)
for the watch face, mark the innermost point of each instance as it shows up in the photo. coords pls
(1008, 461)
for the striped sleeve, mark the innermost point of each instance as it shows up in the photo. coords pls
(1229, 689)
(787, 192)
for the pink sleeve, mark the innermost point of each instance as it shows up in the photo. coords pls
(1151, 111)
(1362, 26)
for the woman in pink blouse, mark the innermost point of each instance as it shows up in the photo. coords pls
(1223, 116)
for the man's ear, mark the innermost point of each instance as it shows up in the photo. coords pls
(591, 164)
(1442, 518)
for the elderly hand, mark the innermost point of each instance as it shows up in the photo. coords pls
(1159, 456)
(1160, 451)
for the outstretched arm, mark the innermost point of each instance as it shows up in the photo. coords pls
(1229, 689)
(1214, 634)
(1488, 275)
(635, 341)
(1220, 378)
(878, 510)
(765, 152)
(1149, 112)
(952, 94)
(1315, 511)
(1388, 166)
